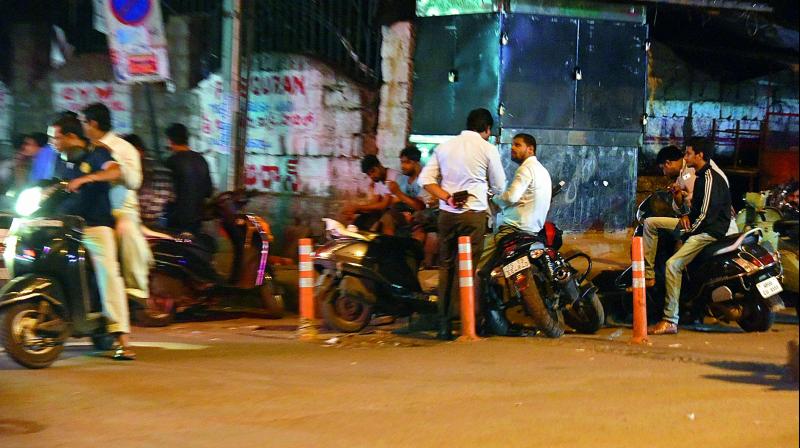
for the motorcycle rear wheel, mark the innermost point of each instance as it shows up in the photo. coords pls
(758, 316)
(158, 310)
(272, 299)
(586, 315)
(15, 330)
(534, 304)
(343, 313)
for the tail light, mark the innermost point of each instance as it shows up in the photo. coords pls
(766, 259)
(520, 281)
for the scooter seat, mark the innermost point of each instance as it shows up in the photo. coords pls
(728, 244)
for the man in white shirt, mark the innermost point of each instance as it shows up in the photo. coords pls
(134, 251)
(526, 202)
(465, 163)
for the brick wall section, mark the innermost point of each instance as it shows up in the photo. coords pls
(395, 110)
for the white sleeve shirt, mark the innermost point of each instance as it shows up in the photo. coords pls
(527, 200)
(466, 162)
(123, 195)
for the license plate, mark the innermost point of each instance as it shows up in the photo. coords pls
(769, 287)
(516, 266)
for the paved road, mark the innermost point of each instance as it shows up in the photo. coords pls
(244, 382)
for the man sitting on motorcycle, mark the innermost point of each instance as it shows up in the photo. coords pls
(670, 160)
(525, 203)
(709, 219)
(89, 171)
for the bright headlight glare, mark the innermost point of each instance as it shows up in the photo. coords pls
(28, 201)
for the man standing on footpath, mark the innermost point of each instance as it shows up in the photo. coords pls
(465, 163)
(191, 182)
(135, 252)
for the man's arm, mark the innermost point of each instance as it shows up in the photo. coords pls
(109, 173)
(381, 204)
(497, 176)
(415, 203)
(522, 180)
(701, 206)
(130, 163)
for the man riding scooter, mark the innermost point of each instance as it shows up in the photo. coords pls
(89, 171)
(709, 219)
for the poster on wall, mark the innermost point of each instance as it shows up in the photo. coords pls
(282, 124)
(75, 96)
(5, 113)
(136, 40)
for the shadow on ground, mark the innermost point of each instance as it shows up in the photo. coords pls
(775, 376)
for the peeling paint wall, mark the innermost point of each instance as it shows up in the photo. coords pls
(685, 102)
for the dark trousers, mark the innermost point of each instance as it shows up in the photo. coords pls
(452, 226)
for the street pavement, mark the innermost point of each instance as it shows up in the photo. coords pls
(240, 381)
(235, 380)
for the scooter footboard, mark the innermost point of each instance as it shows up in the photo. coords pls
(32, 287)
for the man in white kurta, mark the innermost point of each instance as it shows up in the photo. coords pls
(134, 251)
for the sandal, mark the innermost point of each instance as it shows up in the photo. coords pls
(122, 353)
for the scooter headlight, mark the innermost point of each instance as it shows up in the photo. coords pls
(28, 201)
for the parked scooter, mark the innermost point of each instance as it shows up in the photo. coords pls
(529, 283)
(364, 273)
(732, 280)
(776, 213)
(189, 271)
(53, 293)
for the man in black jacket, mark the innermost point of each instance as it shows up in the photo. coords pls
(708, 220)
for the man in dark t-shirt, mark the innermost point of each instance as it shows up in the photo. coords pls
(191, 180)
(89, 170)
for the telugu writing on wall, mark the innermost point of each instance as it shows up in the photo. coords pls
(74, 96)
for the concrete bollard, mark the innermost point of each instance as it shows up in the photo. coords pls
(467, 290)
(307, 329)
(639, 292)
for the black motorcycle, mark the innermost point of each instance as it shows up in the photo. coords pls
(530, 283)
(191, 273)
(52, 294)
(363, 273)
(734, 279)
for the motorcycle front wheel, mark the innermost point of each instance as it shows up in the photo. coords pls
(22, 342)
(344, 313)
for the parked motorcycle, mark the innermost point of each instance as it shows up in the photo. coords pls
(734, 279)
(190, 272)
(530, 283)
(52, 294)
(363, 273)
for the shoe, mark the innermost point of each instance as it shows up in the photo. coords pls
(122, 353)
(445, 332)
(648, 283)
(663, 327)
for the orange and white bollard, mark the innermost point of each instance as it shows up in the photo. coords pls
(639, 292)
(307, 329)
(467, 290)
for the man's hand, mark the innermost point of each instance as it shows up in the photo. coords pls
(393, 187)
(75, 184)
(684, 222)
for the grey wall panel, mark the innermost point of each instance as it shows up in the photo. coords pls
(612, 60)
(601, 185)
(537, 86)
(468, 45)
